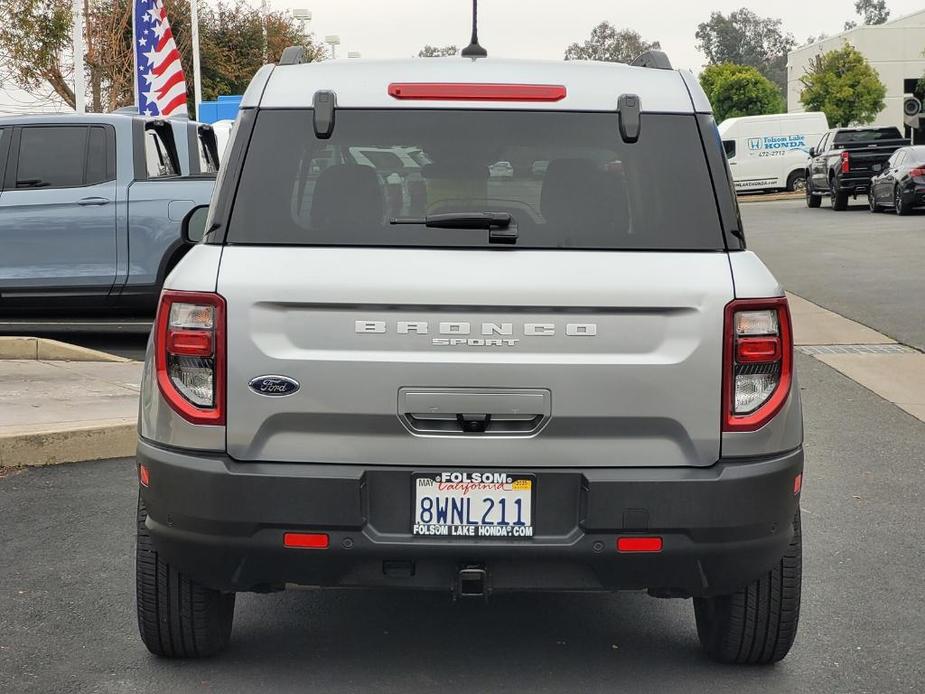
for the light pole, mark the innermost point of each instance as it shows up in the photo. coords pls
(333, 41)
(305, 18)
(80, 86)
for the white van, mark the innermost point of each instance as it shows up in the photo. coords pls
(770, 152)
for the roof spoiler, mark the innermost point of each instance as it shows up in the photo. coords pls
(654, 59)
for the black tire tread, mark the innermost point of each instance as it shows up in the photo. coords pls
(839, 200)
(177, 617)
(812, 201)
(756, 624)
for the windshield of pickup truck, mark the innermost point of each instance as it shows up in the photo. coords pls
(867, 135)
(568, 180)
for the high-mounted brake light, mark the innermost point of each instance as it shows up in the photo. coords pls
(189, 343)
(757, 362)
(845, 162)
(458, 91)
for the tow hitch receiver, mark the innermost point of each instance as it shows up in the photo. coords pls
(472, 582)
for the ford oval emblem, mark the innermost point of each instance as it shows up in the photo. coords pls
(274, 386)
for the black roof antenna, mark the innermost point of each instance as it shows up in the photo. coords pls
(474, 50)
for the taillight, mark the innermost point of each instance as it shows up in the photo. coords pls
(917, 172)
(189, 345)
(845, 162)
(757, 362)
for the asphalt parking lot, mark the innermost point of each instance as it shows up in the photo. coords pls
(67, 581)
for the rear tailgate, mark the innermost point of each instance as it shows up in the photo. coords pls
(599, 358)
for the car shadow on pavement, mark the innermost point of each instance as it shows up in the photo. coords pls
(381, 641)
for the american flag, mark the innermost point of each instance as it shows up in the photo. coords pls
(160, 84)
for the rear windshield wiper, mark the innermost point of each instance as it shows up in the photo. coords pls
(500, 225)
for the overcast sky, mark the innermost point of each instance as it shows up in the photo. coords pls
(543, 28)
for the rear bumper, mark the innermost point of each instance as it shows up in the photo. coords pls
(222, 522)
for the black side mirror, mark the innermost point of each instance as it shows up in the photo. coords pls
(193, 227)
(812, 151)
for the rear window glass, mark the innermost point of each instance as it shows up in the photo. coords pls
(567, 179)
(871, 135)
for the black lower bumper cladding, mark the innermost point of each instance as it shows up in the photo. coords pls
(223, 522)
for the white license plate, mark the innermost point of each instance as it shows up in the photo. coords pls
(473, 505)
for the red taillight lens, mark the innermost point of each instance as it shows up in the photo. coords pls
(189, 347)
(191, 343)
(917, 172)
(845, 162)
(757, 362)
(639, 544)
(449, 91)
(757, 349)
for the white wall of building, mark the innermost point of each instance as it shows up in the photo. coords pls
(894, 50)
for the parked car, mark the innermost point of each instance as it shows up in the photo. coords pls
(901, 183)
(580, 382)
(90, 210)
(843, 162)
(770, 152)
(501, 169)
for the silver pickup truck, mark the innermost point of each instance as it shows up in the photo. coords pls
(395, 362)
(91, 205)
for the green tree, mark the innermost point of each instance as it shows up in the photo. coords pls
(609, 44)
(872, 11)
(434, 52)
(740, 90)
(35, 45)
(744, 38)
(843, 85)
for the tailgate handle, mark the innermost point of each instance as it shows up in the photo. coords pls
(455, 411)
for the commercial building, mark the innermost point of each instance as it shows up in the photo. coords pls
(894, 49)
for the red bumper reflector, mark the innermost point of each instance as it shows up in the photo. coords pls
(447, 91)
(306, 540)
(143, 477)
(797, 484)
(639, 544)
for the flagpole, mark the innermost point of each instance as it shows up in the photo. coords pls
(135, 56)
(197, 73)
(80, 86)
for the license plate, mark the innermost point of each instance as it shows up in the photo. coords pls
(473, 505)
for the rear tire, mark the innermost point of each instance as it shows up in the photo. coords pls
(812, 200)
(839, 199)
(899, 204)
(756, 624)
(796, 181)
(177, 617)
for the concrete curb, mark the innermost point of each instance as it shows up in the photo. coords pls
(50, 350)
(769, 197)
(110, 439)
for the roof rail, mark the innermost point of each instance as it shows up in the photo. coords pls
(654, 59)
(293, 55)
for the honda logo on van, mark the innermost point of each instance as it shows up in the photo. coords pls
(486, 334)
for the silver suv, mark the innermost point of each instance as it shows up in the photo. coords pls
(388, 364)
